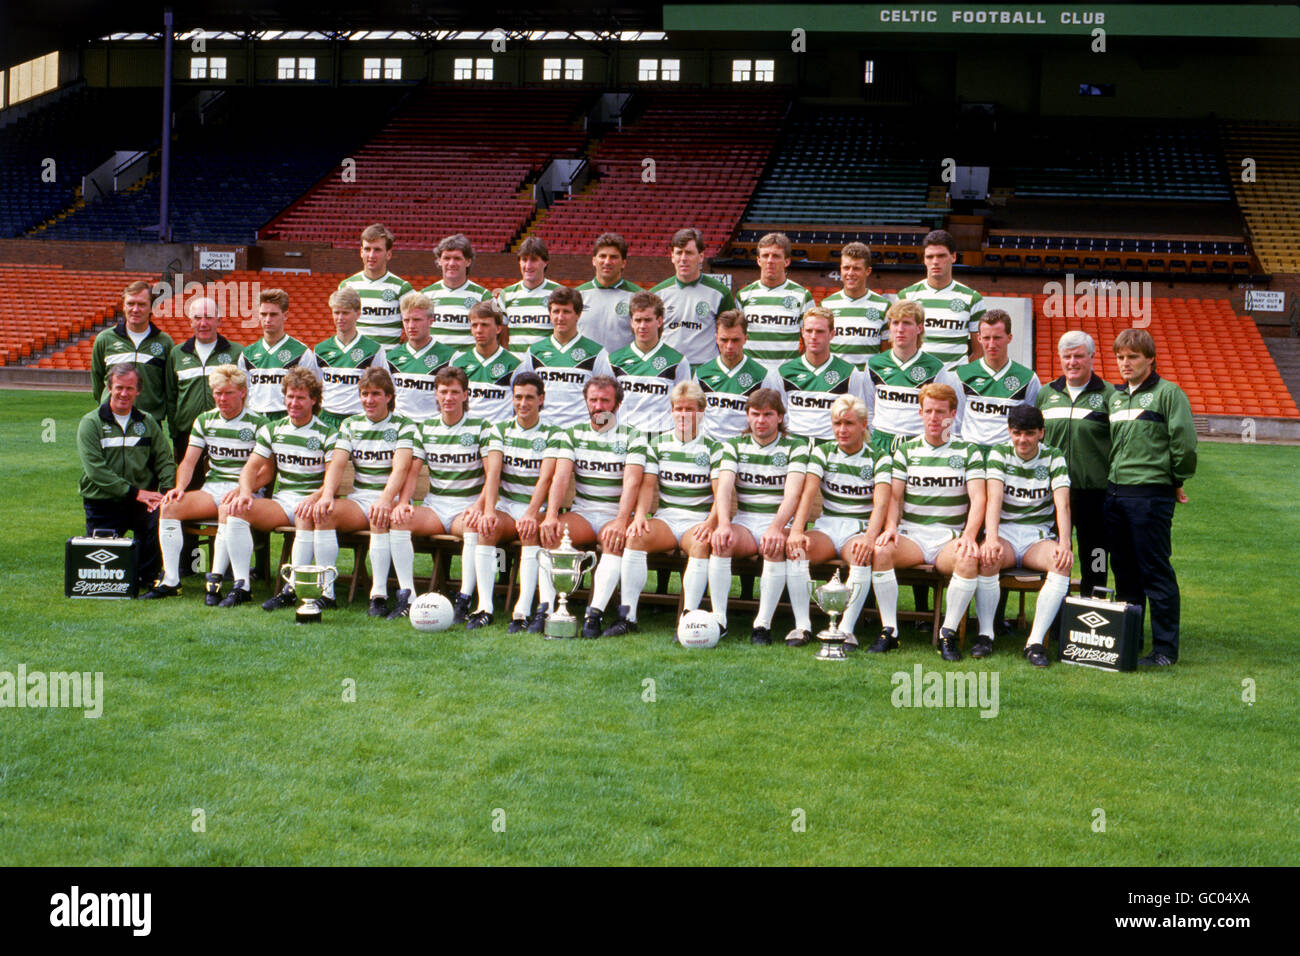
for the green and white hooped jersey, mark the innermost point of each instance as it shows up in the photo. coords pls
(848, 481)
(527, 314)
(897, 388)
(341, 366)
(490, 397)
(988, 396)
(228, 441)
(413, 373)
(299, 454)
(451, 312)
(648, 379)
(761, 470)
(936, 478)
(810, 392)
(599, 460)
(1028, 485)
(266, 367)
(454, 454)
(381, 318)
(690, 315)
(860, 325)
(522, 451)
(774, 317)
(685, 471)
(372, 446)
(726, 392)
(606, 313)
(565, 370)
(952, 316)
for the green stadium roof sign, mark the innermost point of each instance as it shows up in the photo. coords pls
(1185, 20)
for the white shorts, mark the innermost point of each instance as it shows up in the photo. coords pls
(596, 517)
(756, 525)
(515, 509)
(364, 499)
(839, 530)
(930, 539)
(288, 501)
(1023, 537)
(217, 490)
(679, 522)
(447, 508)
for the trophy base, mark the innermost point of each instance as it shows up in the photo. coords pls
(560, 628)
(308, 613)
(832, 648)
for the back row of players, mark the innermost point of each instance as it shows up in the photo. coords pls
(589, 419)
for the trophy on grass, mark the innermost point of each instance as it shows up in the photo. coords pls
(833, 598)
(309, 582)
(567, 569)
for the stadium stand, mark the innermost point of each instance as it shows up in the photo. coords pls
(70, 303)
(844, 166)
(1081, 253)
(1271, 202)
(253, 155)
(78, 128)
(1174, 160)
(708, 153)
(447, 162)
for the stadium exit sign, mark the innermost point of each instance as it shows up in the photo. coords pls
(1173, 20)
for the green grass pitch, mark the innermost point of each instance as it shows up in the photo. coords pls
(489, 749)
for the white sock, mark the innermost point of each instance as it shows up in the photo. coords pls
(859, 577)
(1054, 590)
(220, 554)
(239, 542)
(960, 591)
(304, 547)
(381, 556)
(527, 579)
(886, 585)
(694, 581)
(170, 540)
(633, 581)
(770, 586)
(608, 570)
(545, 586)
(469, 565)
(988, 589)
(798, 582)
(485, 574)
(719, 587)
(326, 542)
(403, 553)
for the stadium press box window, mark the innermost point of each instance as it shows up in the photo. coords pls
(203, 68)
(387, 68)
(468, 68)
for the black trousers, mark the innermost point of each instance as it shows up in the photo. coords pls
(121, 515)
(1140, 529)
(1088, 516)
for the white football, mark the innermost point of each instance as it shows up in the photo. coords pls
(698, 629)
(431, 612)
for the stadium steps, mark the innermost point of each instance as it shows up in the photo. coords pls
(1271, 204)
(1286, 356)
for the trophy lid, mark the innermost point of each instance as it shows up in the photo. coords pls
(566, 544)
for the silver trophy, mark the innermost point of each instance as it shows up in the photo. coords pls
(833, 598)
(567, 569)
(309, 582)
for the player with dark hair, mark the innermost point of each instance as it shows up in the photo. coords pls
(952, 310)
(993, 384)
(566, 360)
(489, 366)
(649, 368)
(692, 300)
(773, 304)
(525, 303)
(1028, 482)
(861, 329)
(761, 478)
(606, 312)
(731, 378)
(452, 296)
(268, 360)
(379, 289)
